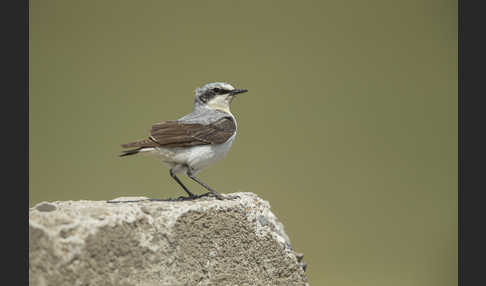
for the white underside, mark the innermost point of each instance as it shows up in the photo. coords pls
(197, 157)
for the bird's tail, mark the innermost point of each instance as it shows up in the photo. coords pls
(130, 152)
(140, 145)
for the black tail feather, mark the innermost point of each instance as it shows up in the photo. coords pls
(130, 152)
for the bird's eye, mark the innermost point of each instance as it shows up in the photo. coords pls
(216, 90)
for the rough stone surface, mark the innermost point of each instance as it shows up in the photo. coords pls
(202, 242)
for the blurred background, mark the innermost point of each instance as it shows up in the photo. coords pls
(349, 128)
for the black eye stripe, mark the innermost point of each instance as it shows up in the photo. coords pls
(211, 93)
(219, 90)
(207, 95)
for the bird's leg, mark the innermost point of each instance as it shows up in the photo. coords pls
(191, 195)
(213, 192)
(181, 198)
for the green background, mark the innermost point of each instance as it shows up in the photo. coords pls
(349, 128)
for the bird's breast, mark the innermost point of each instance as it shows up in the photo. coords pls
(203, 156)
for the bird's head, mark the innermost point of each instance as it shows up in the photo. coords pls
(217, 95)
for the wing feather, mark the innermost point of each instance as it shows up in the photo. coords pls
(179, 134)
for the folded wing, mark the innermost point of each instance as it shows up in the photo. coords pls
(172, 134)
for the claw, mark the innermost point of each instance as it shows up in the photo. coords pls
(180, 199)
(184, 199)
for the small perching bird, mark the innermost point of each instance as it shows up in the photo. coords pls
(196, 140)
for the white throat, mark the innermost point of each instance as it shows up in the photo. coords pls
(220, 103)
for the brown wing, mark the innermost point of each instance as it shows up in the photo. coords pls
(178, 134)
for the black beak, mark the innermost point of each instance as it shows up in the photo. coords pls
(237, 91)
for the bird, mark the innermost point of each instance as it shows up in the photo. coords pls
(195, 141)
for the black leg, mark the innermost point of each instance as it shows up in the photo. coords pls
(216, 194)
(181, 184)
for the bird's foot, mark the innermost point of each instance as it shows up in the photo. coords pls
(195, 197)
(181, 198)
